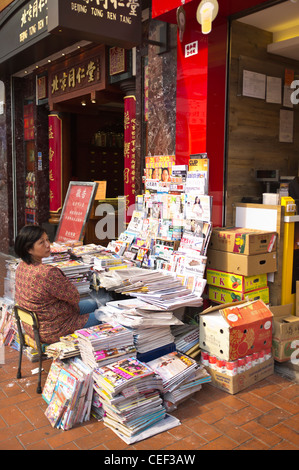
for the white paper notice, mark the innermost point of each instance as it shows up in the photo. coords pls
(273, 94)
(254, 84)
(286, 125)
(287, 91)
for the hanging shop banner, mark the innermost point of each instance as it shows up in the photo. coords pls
(129, 154)
(55, 162)
(76, 211)
(78, 75)
(112, 22)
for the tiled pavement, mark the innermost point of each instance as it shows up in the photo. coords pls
(262, 417)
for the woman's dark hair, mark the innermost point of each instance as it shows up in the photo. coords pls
(25, 240)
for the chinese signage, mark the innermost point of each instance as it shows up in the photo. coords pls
(55, 162)
(112, 22)
(129, 153)
(28, 122)
(117, 60)
(34, 18)
(25, 27)
(78, 75)
(75, 212)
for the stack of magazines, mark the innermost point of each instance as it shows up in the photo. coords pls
(186, 389)
(181, 376)
(186, 338)
(59, 253)
(129, 391)
(66, 347)
(102, 344)
(68, 392)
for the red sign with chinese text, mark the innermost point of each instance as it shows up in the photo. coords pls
(55, 163)
(129, 153)
(75, 211)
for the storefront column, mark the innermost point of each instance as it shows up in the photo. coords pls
(55, 167)
(59, 163)
(129, 147)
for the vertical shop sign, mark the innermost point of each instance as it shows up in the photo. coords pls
(55, 163)
(129, 154)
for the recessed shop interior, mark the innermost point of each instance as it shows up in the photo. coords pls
(96, 138)
(262, 42)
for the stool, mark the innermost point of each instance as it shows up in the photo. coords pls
(22, 315)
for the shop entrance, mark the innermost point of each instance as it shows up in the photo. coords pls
(94, 146)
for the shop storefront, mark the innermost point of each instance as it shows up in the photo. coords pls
(249, 135)
(67, 86)
(180, 92)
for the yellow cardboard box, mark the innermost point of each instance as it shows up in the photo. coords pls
(222, 296)
(236, 282)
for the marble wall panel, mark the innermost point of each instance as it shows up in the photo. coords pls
(162, 94)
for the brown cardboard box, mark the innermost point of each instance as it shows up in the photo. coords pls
(236, 383)
(285, 332)
(232, 331)
(242, 264)
(243, 240)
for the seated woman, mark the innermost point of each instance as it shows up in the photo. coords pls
(45, 290)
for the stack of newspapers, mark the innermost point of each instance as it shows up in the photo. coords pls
(181, 377)
(151, 325)
(102, 344)
(130, 394)
(160, 288)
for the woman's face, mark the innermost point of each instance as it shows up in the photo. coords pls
(164, 176)
(41, 248)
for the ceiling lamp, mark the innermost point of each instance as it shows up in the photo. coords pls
(206, 13)
(181, 21)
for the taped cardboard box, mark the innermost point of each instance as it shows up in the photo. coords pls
(285, 340)
(243, 240)
(222, 296)
(242, 264)
(239, 382)
(231, 331)
(236, 282)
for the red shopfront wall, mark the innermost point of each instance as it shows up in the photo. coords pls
(201, 89)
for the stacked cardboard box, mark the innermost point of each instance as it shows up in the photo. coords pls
(235, 341)
(238, 262)
(285, 342)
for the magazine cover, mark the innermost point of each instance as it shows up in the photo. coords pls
(198, 206)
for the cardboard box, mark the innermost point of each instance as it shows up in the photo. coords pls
(243, 240)
(234, 384)
(285, 332)
(236, 282)
(223, 296)
(232, 331)
(242, 264)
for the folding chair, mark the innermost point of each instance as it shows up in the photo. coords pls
(22, 315)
